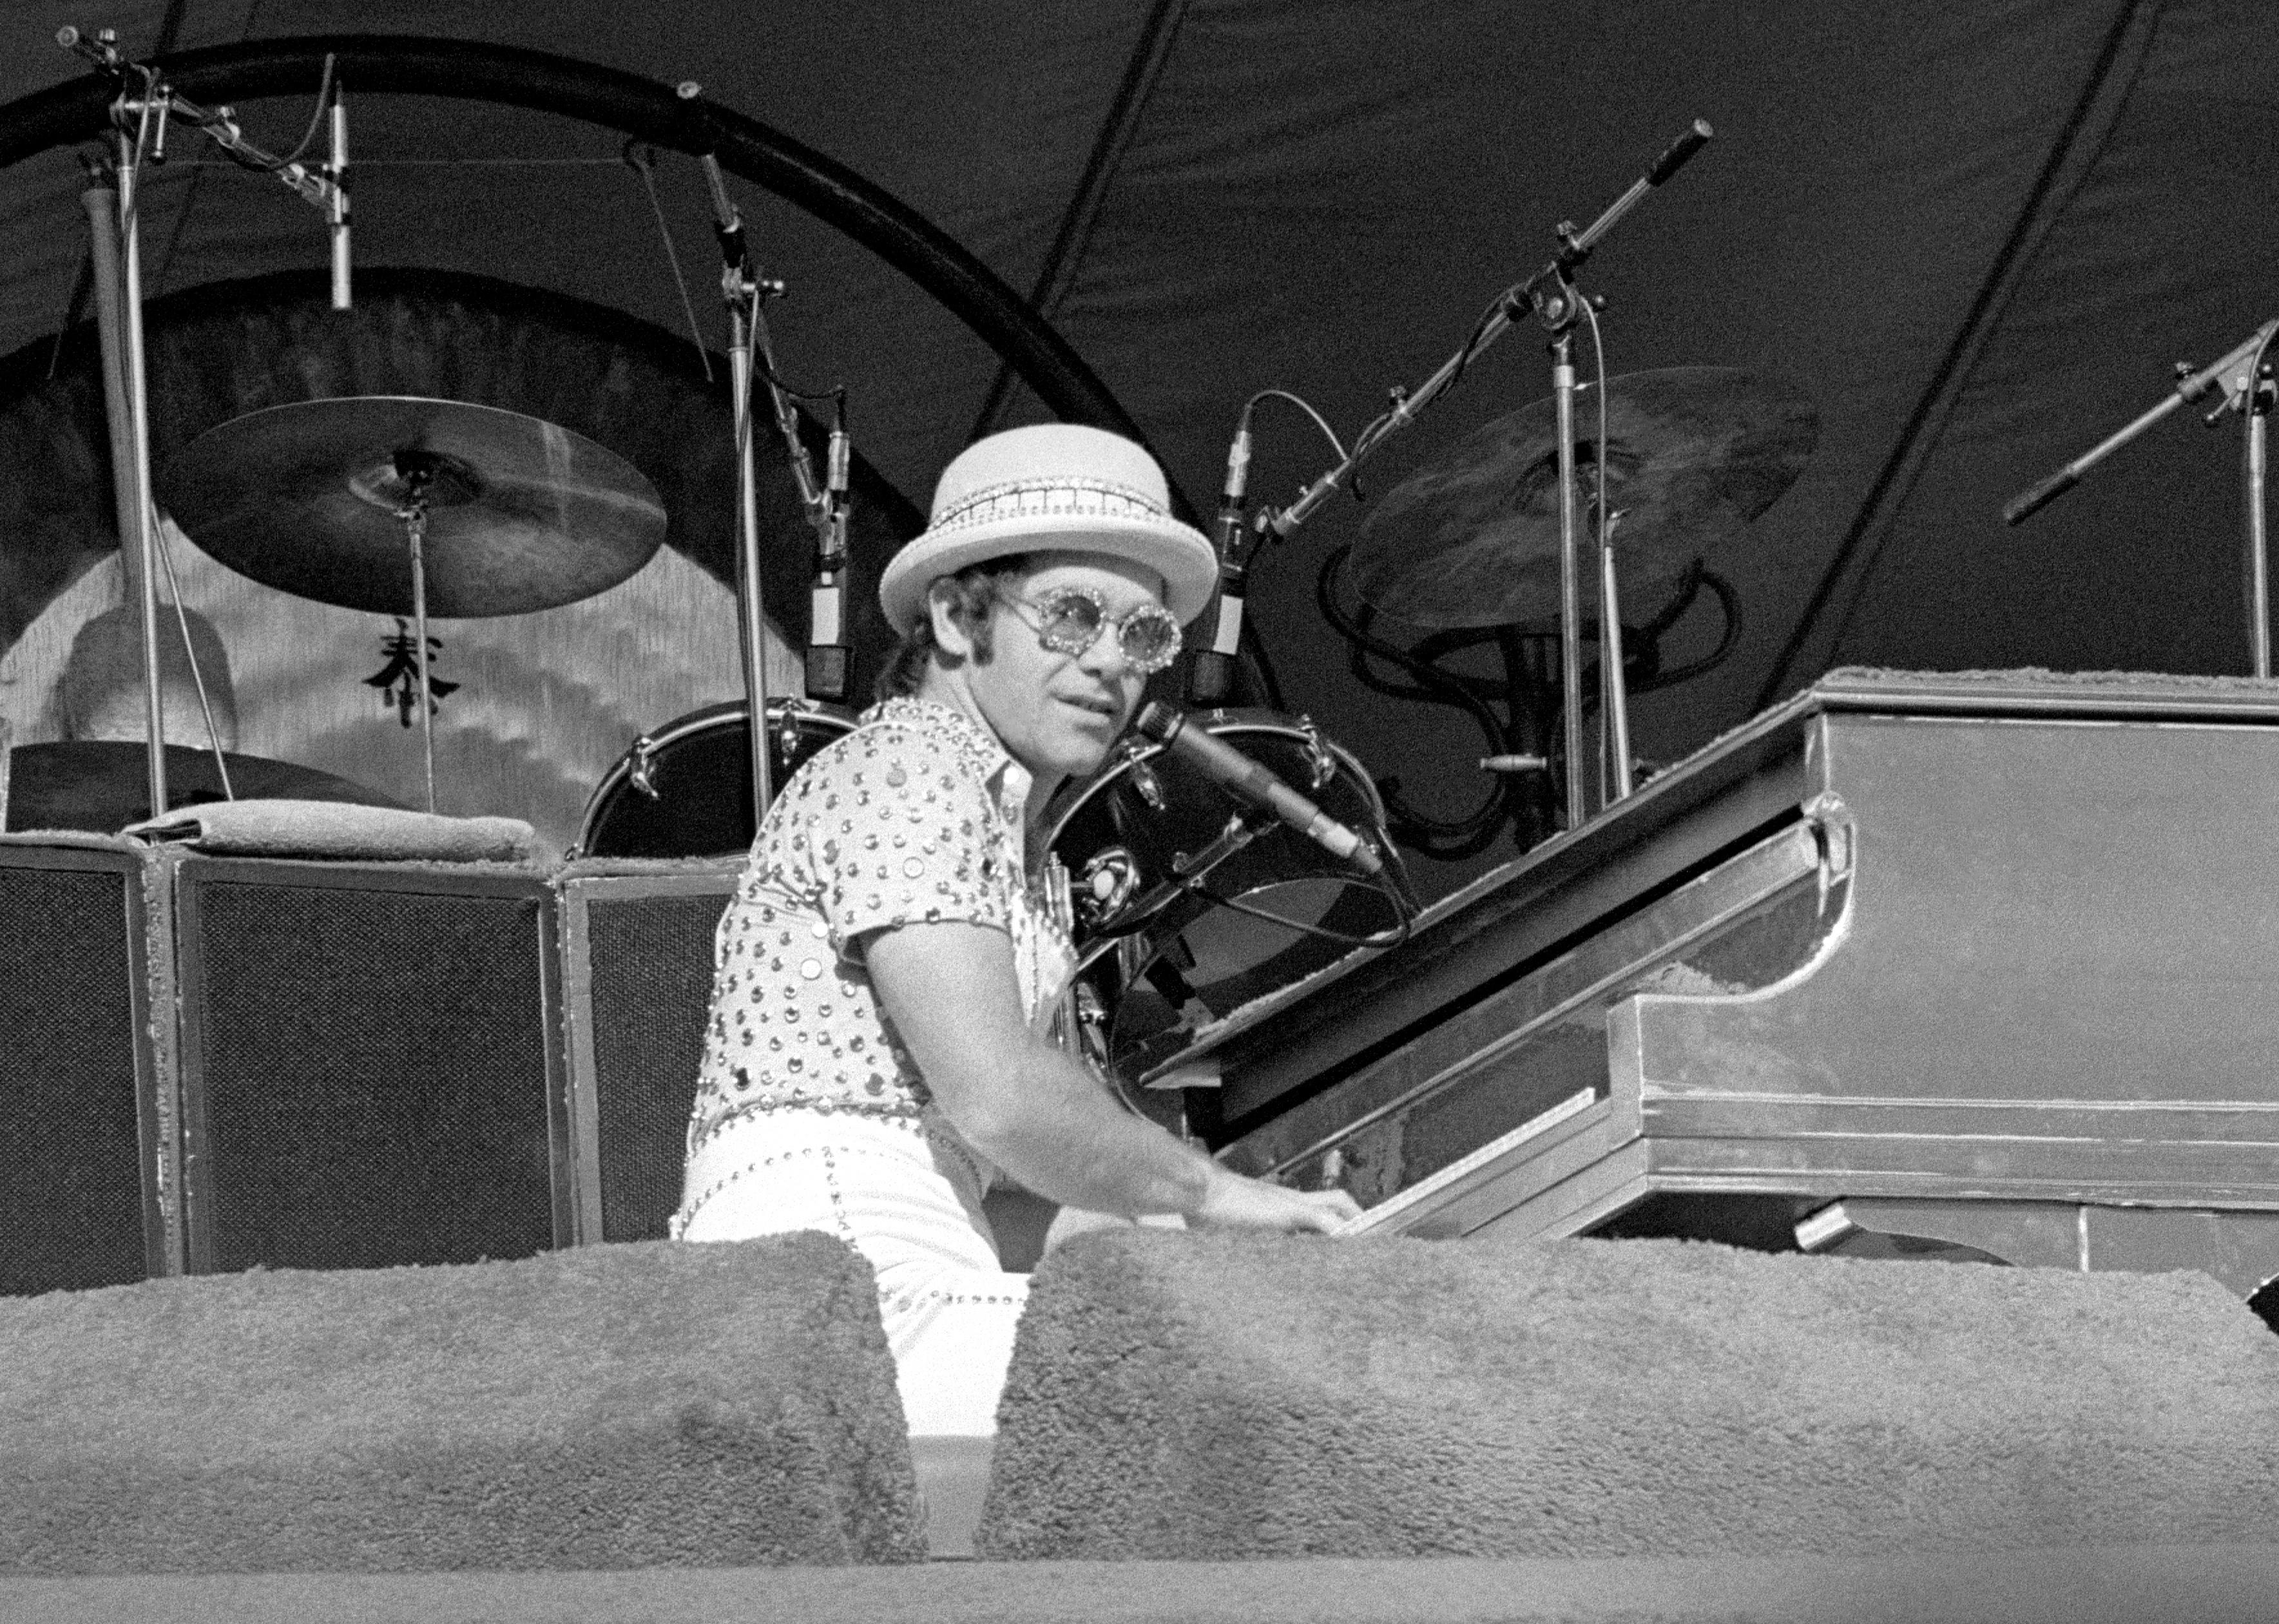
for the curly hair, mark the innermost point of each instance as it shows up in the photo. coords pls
(972, 592)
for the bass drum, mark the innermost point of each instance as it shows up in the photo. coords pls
(1272, 913)
(686, 790)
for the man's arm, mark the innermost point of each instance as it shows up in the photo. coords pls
(951, 992)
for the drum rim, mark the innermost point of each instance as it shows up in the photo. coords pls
(697, 721)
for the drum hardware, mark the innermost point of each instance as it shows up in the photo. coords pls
(1110, 877)
(1517, 712)
(1184, 912)
(1186, 878)
(419, 474)
(641, 769)
(1320, 767)
(681, 790)
(2243, 384)
(786, 717)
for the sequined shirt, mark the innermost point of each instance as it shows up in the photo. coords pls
(916, 816)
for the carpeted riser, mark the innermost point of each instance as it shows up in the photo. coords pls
(616, 1407)
(1221, 1396)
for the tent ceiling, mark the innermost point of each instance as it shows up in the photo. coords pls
(1977, 235)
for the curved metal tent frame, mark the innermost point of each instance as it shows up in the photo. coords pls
(645, 110)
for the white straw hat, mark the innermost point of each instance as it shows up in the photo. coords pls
(1055, 486)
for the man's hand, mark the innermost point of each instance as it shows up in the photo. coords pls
(1234, 1202)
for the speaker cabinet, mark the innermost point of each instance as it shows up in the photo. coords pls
(81, 1132)
(371, 1069)
(637, 979)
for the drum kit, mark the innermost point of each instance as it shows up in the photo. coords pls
(426, 508)
(420, 508)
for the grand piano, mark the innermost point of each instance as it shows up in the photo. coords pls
(1968, 966)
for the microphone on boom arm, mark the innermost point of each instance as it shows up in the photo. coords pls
(336, 202)
(1248, 782)
(1212, 676)
(826, 635)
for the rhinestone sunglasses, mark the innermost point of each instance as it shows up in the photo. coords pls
(1070, 619)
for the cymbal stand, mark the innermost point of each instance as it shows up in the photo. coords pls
(414, 515)
(1614, 693)
(1551, 296)
(2241, 381)
(2254, 403)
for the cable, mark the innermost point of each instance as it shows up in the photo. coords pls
(1443, 838)
(645, 169)
(316, 120)
(1320, 422)
(1598, 359)
(164, 549)
(1391, 937)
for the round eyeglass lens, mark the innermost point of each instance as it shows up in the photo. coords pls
(1150, 638)
(1067, 622)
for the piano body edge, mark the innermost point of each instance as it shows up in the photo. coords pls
(2003, 987)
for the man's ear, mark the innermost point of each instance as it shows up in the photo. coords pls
(949, 634)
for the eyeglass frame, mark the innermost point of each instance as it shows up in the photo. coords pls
(1099, 601)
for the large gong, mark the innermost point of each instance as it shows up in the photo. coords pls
(543, 703)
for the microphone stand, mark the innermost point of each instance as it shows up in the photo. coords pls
(742, 290)
(1551, 297)
(745, 290)
(2242, 379)
(139, 126)
(139, 116)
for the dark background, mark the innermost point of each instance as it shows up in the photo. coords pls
(1977, 235)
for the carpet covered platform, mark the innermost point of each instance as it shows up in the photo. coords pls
(1222, 1397)
(608, 1407)
(2160, 1584)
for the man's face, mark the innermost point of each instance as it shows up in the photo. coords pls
(1057, 714)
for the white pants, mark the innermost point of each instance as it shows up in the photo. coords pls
(906, 1196)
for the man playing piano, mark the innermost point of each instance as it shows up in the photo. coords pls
(878, 1052)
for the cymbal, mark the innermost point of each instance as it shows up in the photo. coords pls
(522, 515)
(104, 786)
(1692, 454)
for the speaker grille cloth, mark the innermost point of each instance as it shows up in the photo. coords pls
(652, 981)
(70, 1154)
(375, 1078)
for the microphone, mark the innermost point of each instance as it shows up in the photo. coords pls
(336, 202)
(1674, 156)
(826, 635)
(1212, 675)
(727, 225)
(1247, 781)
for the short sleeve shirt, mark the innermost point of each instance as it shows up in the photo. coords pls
(913, 817)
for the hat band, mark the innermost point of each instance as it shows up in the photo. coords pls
(1072, 498)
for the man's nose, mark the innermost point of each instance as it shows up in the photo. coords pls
(1105, 653)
